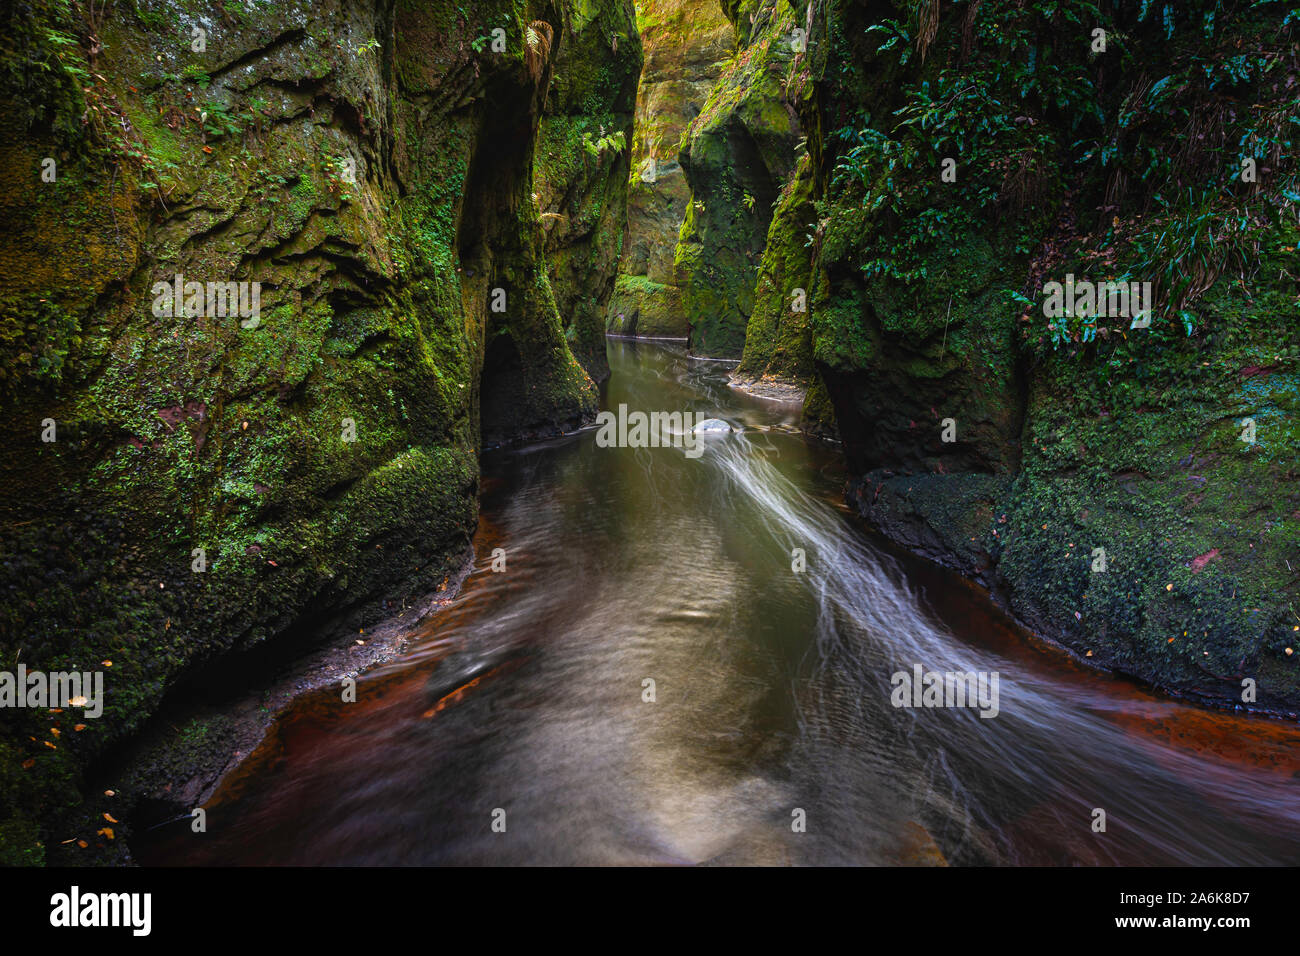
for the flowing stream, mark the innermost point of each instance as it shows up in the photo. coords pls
(772, 693)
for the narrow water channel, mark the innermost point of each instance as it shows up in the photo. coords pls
(772, 693)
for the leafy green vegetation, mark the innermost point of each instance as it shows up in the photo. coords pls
(1027, 109)
(600, 143)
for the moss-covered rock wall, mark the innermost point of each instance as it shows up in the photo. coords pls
(582, 170)
(1128, 490)
(737, 155)
(183, 485)
(687, 43)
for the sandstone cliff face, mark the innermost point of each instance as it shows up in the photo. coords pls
(222, 481)
(925, 309)
(687, 43)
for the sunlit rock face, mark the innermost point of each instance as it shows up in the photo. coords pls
(214, 478)
(687, 43)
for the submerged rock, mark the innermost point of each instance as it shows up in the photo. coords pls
(713, 426)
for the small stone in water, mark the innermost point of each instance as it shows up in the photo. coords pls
(712, 425)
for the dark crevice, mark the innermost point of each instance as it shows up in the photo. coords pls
(262, 52)
(502, 390)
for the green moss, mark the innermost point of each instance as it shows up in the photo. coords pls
(179, 433)
(741, 145)
(778, 339)
(924, 309)
(641, 306)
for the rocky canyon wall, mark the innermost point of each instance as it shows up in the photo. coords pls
(185, 480)
(876, 220)
(687, 45)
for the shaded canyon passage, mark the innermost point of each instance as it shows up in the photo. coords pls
(772, 692)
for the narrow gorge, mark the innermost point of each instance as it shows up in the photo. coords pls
(466, 230)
